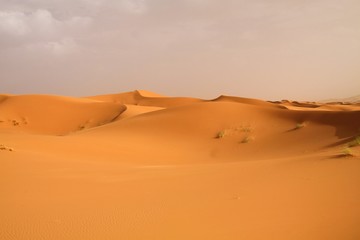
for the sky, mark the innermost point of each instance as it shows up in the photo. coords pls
(267, 49)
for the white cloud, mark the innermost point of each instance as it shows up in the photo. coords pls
(39, 22)
(62, 47)
(134, 6)
(78, 22)
(13, 23)
(40, 30)
(19, 23)
(96, 3)
(43, 21)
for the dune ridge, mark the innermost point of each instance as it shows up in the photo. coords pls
(255, 102)
(145, 98)
(350, 100)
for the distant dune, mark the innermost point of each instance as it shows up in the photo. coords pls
(139, 165)
(354, 99)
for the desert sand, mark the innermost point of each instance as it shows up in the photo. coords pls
(139, 165)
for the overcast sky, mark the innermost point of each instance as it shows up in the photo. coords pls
(269, 49)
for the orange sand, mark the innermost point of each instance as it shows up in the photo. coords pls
(138, 165)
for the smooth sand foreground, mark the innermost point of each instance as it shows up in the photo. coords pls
(139, 165)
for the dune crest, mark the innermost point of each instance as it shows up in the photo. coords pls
(152, 99)
(145, 93)
(250, 101)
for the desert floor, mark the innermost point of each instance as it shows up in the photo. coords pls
(138, 165)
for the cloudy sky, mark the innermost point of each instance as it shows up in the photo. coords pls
(278, 49)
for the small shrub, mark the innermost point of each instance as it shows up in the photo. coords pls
(15, 123)
(355, 142)
(234, 131)
(347, 152)
(24, 121)
(244, 128)
(299, 125)
(5, 148)
(247, 129)
(246, 139)
(221, 134)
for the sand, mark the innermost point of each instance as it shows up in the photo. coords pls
(139, 165)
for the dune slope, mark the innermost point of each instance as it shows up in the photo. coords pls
(54, 114)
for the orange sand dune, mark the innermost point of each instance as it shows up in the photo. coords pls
(138, 165)
(134, 110)
(308, 106)
(245, 101)
(340, 107)
(350, 100)
(144, 98)
(54, 114)
(240, 123)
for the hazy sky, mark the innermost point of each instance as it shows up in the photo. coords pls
(269, 49)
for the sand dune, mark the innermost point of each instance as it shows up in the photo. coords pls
(3, 97)
(250, 101)
(54, 114)
(274, 131)
(139, 165)
(134, 110)
(145, 98)
(350, 100)
(309, 106)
